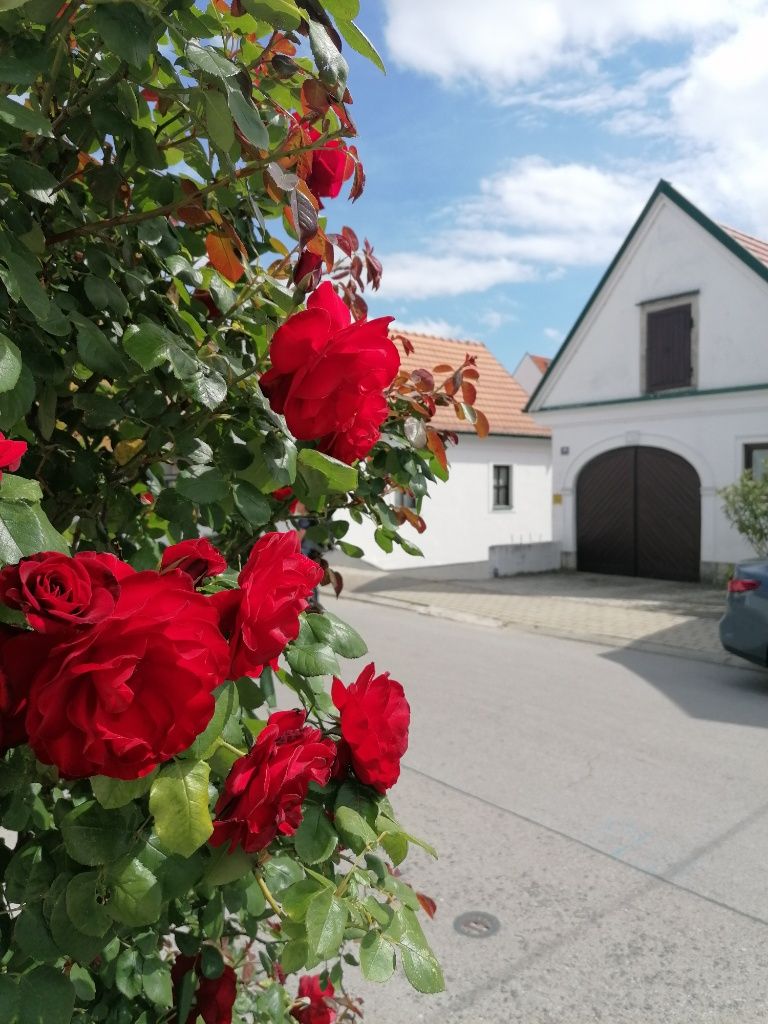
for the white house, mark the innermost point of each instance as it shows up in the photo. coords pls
(500, 488)
(529, 371)
(658, 397)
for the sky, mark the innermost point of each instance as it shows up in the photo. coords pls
(512, 144)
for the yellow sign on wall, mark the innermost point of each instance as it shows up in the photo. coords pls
(557, 499)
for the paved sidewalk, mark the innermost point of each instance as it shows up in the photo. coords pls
(672, 618)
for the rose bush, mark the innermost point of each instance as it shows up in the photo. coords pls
(179, 392)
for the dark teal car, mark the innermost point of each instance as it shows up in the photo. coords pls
(744, 627)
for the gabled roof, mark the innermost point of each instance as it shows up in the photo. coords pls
(542, 362)
(751, 251)
(499, 395)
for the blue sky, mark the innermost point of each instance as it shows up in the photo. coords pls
(507, 152)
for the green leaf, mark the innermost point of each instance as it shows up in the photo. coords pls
(209, 60)
(126, 30)
(25, 529)
(32, 935)
(46, 997)
(178, 801)
(219, 120)
(152, 345)
(93, 835)
(86, 904)
(339, 636)
(26, 284)
(419, 962)
(354, 830)
(297, 897)
(248, 120)
(128, 973)
(280, 872)
(26, 120)
(345, 10)
(85, 986)
(326, 920)
(224, 867)
(156, 981)
(70, 939)
(315, 839)
(95, 349)
(103, 293)
(294, 955)
(9, 1000)
(377, 957)
(360, 42)
(227, 703)
(27, 177)
(336, 475)
(252, 504)
(205, 487)
(136, 895)
(18, 488)
(331, 66)
(312, 660)
(278, 13)
(17, 402)
(114, 793)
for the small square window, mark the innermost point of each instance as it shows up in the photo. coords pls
(756, 459)
(502, 487)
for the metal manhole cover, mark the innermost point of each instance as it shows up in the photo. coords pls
(476, 924)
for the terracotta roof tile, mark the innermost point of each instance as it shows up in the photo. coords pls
(499, 395)
(542, 362)
(755, 246)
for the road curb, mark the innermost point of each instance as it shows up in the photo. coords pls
(600, 639)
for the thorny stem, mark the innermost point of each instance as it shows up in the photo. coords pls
(268, 896)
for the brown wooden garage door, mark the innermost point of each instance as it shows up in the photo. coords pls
(638, 513)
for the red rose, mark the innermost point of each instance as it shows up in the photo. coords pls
(129, 692)
(328, 376)
(11, 453)
(57, 592)
(198, 558)
(214, 997)
(13, 701)
(264, 791)
(263, 615)
(374, 726)
(332, 165)
(318, 1011)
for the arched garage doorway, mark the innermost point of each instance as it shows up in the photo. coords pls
(638, 513)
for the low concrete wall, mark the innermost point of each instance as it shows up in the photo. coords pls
(514, 559)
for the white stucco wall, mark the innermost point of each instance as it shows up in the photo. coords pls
(670, 254)
(461, 521)
(709, 431)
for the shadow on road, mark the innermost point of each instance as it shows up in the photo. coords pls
(717, 693)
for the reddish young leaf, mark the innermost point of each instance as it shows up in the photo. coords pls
(407, 345)
(423, 380)
(414, 519)
(442, 368)
(469, 393)
(314, 97)
(428, 905)
(436, 446)
(358, 178)
(223, 257)
(193, 212)
(482, 426)
(351, 238)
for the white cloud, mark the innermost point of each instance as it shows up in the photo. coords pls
(501, 43)
(553, 334)
(440, 328)
(525, 224)
(493, 319)
(421, 275)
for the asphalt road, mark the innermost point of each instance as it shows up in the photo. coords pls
(609, 808)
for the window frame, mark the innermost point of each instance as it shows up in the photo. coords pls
(749, 453)
(495, 487)
(659, 306)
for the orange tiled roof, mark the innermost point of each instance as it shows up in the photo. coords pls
(499, 395)
(542, 362)
(755, 246)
